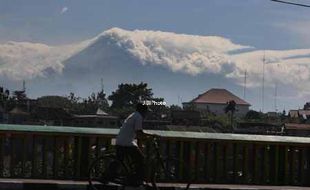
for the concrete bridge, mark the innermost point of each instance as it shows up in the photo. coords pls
(32, 154)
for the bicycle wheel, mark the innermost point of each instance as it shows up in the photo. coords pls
(172, 170)
(104, 170)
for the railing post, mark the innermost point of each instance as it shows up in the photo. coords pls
(276, 165)
(77, 157)
(266, 164)
(211, 160)
(34, 159)
(66, 157)
(1, 155)
(304, 166)
(45, 156)
(245, 164)
(85, 157)
(256, 169)
(217, 162)
(55, 158)
(286, 165)
(180, 157)
(235, 168)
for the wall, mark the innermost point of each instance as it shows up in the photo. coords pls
(219, 109)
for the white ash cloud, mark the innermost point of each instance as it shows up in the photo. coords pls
(188, 54)
(281, 66)
(179, 52)
(23, 60)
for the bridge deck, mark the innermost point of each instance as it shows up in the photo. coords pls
(39, 184)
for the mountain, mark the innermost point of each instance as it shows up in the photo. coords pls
(117, 57)
(177, 66)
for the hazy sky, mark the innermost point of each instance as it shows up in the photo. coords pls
(261, 24)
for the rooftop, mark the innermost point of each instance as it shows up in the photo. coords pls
(218, 96)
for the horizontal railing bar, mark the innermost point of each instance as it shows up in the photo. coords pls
(177, 135)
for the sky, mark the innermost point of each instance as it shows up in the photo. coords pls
(260, 24)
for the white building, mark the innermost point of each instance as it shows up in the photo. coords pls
(215, 101)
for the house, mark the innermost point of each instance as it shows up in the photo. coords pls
(258, 128)
(295, 129)
(215, 101)
(18, 116)
(299, 116)
(45, 115)
(98, 120)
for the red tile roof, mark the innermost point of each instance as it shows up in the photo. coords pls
(297, 126)
(218, 96)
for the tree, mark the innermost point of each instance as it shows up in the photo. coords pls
(254, 115)
(54, 101)
(159, 111)
(125, 98)
(19, 95)
(4, 96)
(95, 101)
(73, 99)
(128, 95)
(175, 108)
(231, 108)
(190, 107)
(102, 100)
(307, 106)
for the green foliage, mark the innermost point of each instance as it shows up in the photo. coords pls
(75, 104)
(175, 108)
(224, 120)
(253, 115)
(125, 98)
(128, 95)
(54, 101)
(122, 113)
(159, 112)
(6, 101)
(19, 95)
(190, 107)
(93, 102)
(231, 107)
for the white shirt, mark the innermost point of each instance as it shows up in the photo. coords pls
(127, 133)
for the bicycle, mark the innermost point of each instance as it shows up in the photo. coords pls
(161, 169)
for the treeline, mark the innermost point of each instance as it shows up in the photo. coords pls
(120, 102)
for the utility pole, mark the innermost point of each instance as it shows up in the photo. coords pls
(24, 85)
(244, 87)
(263, 86)
(275, 97)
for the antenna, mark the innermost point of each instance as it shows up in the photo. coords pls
(24, 86)
(263, 86)
(276, 94)
(275, 97)
(244, 87)
(102, 86)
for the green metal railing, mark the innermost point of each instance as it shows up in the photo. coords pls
(65, 153)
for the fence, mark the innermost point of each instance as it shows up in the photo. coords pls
(65, 153)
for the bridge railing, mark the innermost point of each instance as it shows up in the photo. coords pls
(49, 152)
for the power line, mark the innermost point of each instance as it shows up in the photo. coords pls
(291, 3)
